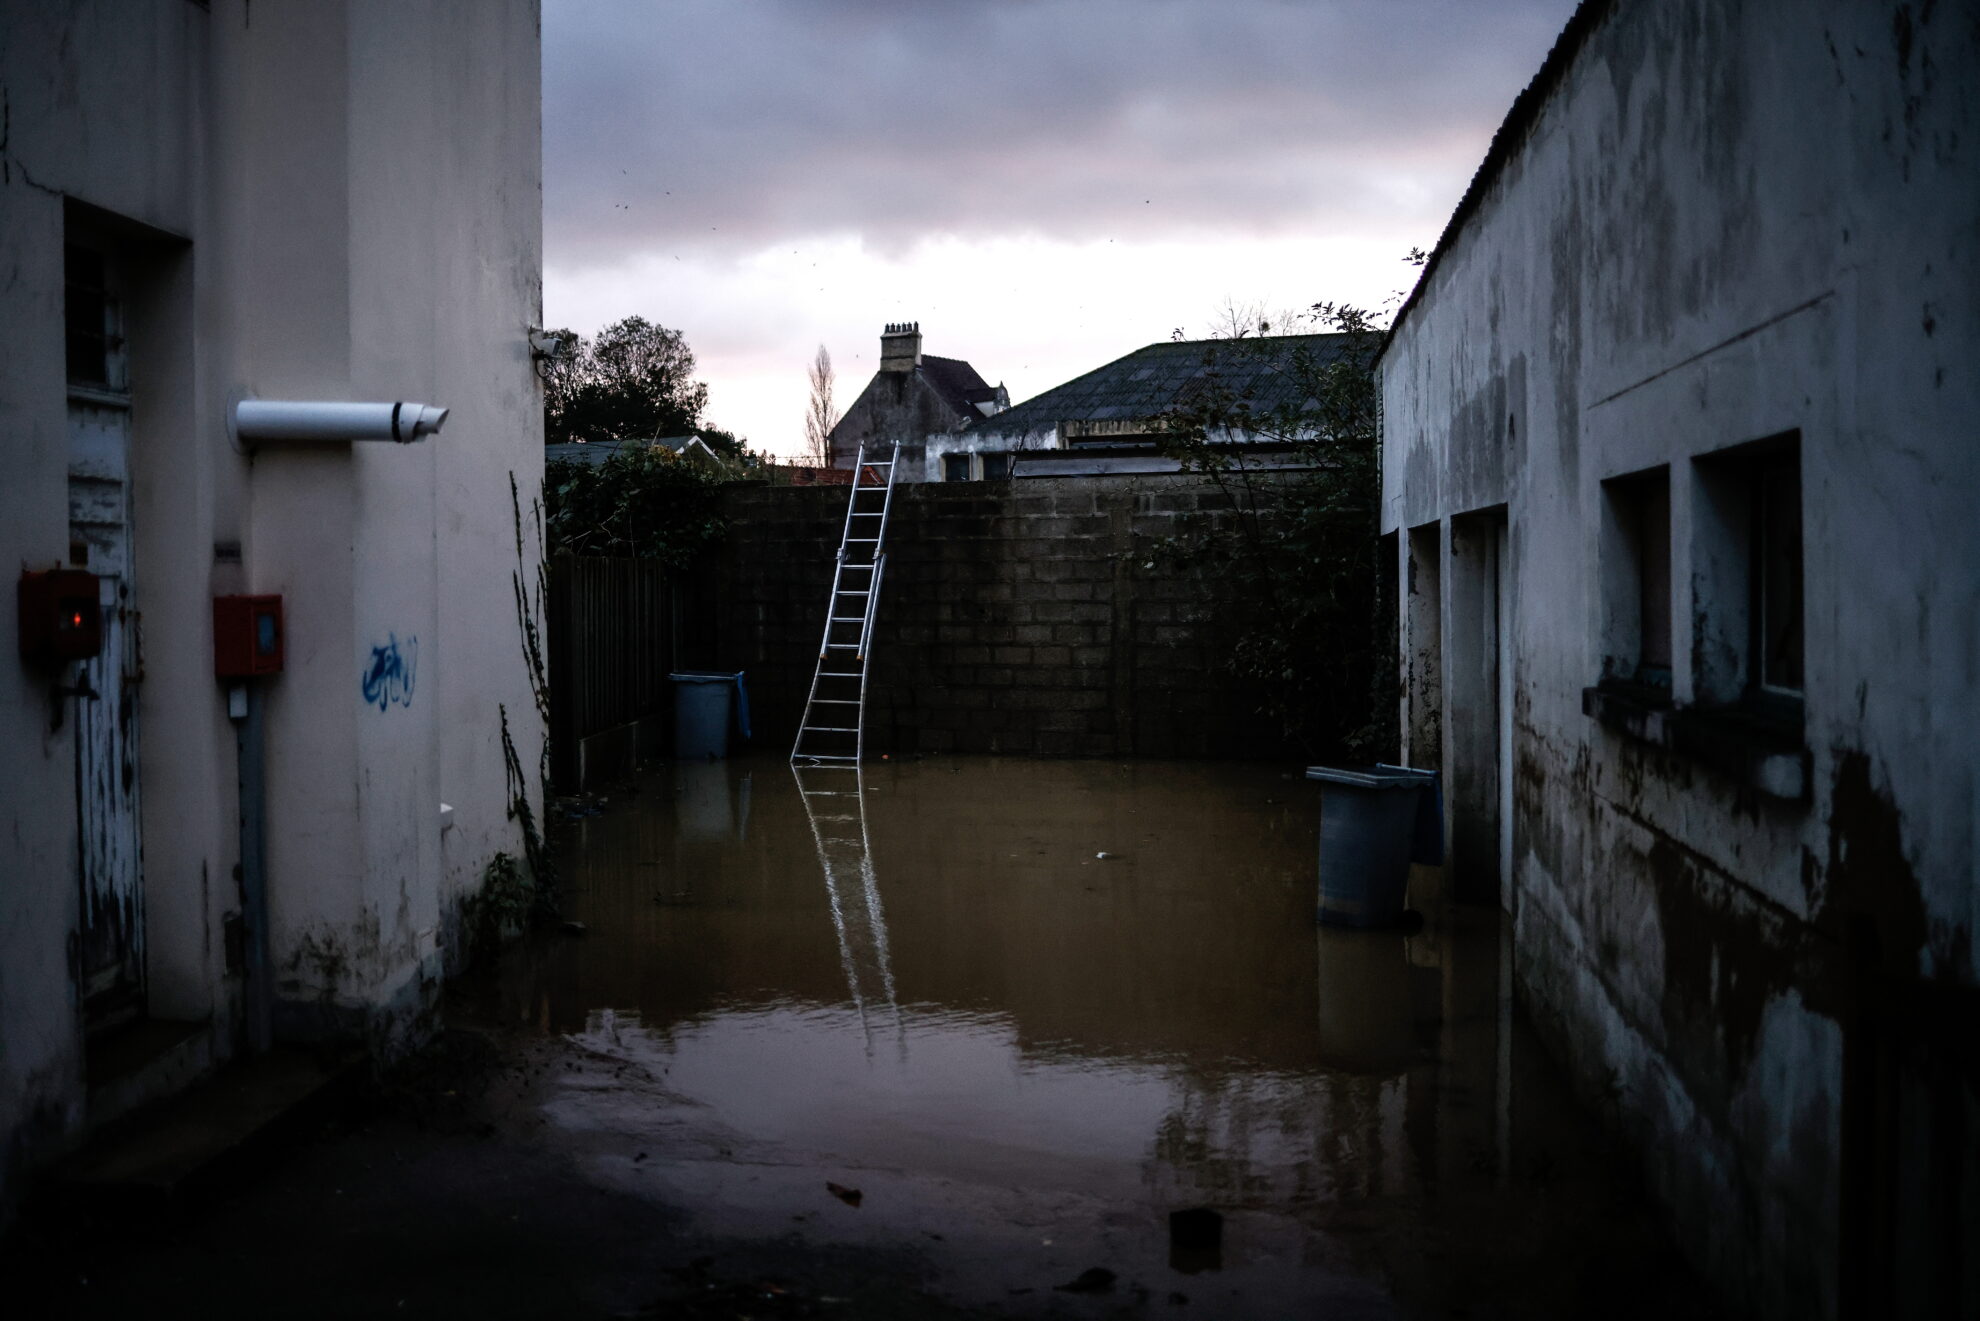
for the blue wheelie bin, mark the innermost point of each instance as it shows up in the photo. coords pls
(1374, 821)
(702, 712)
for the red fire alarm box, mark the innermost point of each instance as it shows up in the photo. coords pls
(247, 636)
(61, 617)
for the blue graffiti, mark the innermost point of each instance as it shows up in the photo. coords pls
(389, 678)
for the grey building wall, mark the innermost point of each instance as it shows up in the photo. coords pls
(1721, 224)
(895, 406)
(330, 201)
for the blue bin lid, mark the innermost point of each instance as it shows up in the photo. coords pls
(706, 676)
(1372, 777)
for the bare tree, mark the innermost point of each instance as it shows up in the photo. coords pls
(1235, 320)
(819, 414)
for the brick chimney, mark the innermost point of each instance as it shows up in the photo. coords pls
(900, 346)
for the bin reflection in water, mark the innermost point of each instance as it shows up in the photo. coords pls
(711, 802)
(1365, 1021)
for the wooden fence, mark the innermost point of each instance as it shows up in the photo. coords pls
(614, 629)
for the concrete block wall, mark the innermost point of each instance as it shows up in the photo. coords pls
(1030, 618)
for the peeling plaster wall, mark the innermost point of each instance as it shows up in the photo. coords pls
(1730, 221)
(336, 201)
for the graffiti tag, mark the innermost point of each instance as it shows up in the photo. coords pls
(389, 677)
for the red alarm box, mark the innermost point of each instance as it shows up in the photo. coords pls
(247, 636)
(61, 617)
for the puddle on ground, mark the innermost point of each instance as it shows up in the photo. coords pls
(1028, 1010)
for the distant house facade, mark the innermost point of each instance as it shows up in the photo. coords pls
(1112, 419)
(917, 401)
(333, 203)
(1679, 468)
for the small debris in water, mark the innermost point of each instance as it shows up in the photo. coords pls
(1105, 856)
(1196, 1240)
(1094, 1279)
(574, 928)
(850, 1196)
(1198, 1227)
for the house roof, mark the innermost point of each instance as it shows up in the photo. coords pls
(1151, 381)
(595, 452)
(1511, 136)
(958, 384)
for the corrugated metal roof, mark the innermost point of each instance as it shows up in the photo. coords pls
(1133, 460)
(1153, 381)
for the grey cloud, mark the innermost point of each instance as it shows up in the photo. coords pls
(702, 126)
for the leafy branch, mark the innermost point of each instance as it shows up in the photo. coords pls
(641, 503)
(1297, 549)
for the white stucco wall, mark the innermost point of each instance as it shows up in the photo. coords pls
(1729, 221)
(941, 444)
(344, 203)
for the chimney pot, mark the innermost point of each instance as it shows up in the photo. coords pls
(900, 346)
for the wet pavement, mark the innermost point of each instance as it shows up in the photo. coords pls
(963, 1042)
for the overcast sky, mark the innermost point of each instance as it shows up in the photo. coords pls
(1044, 185)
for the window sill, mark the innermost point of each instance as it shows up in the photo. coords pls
(1761, 754)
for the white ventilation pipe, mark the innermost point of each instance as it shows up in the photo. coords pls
(262, 420)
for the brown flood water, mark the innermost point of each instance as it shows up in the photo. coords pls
(1025, 1055)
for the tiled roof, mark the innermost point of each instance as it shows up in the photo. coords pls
(1149, 382)
(595, 452)
(957, 382)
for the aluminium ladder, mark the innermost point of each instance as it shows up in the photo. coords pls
(832, 732)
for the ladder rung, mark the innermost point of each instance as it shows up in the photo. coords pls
(836, 701)
(863, 540)
(831, 729)
(848, 619)
(843, 646)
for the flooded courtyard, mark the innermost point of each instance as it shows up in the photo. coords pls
(975, 1037)
(1008, 1017)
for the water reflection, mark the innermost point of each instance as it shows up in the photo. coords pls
(1100, 1039)
(834, 802)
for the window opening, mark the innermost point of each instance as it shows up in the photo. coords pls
(1777, 584)
(87, 316)
(1653, 551)
(1636, 574)
(955, 467)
